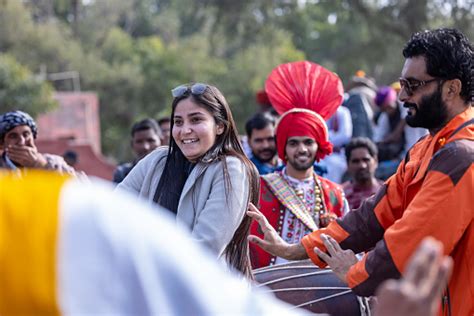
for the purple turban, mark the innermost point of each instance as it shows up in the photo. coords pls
(385, 95)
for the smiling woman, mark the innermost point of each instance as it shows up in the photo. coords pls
(204, 176)
(194, 129)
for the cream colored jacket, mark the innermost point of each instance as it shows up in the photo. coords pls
(203, 208)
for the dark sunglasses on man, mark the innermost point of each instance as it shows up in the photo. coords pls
(195, 89)
(411, 85)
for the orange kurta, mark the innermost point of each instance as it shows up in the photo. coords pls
(432, 194)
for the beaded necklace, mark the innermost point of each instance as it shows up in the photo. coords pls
(319, 208)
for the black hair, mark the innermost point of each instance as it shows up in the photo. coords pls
(144, 125)
(361, 142)
(448, 54)
(177, 168)
(258, 121)
(71, 157)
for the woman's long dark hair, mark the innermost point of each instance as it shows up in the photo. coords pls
(177, 169)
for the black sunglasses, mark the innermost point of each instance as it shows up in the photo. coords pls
(411, 85)
(195, 89)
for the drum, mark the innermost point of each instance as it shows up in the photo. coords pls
(304, 285)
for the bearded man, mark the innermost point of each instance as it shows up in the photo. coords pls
(260, 130)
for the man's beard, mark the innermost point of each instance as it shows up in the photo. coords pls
(271, 154)
(301, 166)
(430, 113)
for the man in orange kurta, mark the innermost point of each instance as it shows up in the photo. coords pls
(432, 193)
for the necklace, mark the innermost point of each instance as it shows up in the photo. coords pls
(319, 205)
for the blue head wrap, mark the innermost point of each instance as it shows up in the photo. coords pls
(10, 120)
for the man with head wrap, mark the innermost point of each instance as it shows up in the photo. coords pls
(296, 201)
(17, 134)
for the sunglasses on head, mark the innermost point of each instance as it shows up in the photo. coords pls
(195, 89)
(412, 85)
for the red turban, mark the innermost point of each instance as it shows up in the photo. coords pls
(262, 98)
(303, 122)
(305, 94)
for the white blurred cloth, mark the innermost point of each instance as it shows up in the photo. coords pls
(119, 257)
(340, 133)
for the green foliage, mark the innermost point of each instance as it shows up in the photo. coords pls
(117, 47)
(20, 90)
(15, 24)
(250, 69)
(133, 52)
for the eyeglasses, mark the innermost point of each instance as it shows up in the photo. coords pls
(195, 89)
(411, 85)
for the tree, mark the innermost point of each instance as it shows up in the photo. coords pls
(133, 52)
(20, 90)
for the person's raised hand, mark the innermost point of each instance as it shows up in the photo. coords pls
(272, 242)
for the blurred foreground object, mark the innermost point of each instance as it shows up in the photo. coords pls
(419, 292)
(96, 252)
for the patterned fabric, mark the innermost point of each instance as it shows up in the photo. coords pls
(286, 195)
(275, 208)
(293, 230)
(10, 120)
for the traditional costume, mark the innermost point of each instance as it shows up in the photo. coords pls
(296, 207)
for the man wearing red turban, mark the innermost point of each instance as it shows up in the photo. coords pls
(295, 200)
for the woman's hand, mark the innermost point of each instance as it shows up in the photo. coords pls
(271, 241)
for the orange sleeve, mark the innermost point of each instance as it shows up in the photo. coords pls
(361, 229)
(314, 240)
(358, 230)
(444, 200)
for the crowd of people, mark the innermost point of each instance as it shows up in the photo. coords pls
(352, 180)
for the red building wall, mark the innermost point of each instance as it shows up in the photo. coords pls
(75, 125)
